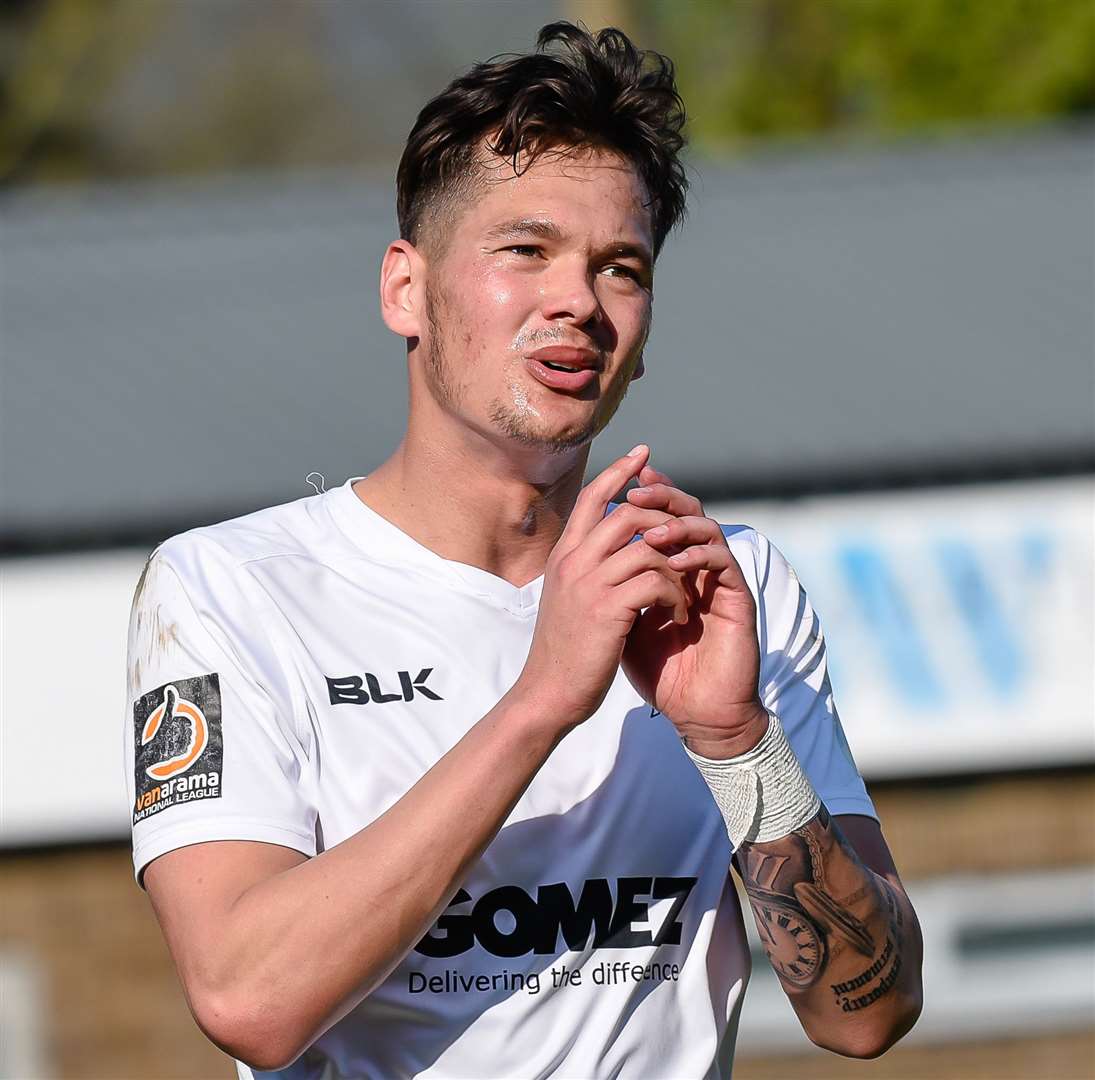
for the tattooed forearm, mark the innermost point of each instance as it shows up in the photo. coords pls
(835, 932)
(885, 984)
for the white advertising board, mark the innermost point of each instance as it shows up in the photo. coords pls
(958, 621)
(959, 625)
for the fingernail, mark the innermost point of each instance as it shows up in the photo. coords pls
(641, 490)
(680, 557)
(657, 532)
(637, 450)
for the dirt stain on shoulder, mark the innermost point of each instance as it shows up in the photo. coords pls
(153, 634)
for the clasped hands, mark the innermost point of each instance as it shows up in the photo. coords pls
(701, 674)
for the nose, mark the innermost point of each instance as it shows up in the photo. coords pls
(568, 293)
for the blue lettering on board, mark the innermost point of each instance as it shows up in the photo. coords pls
(994, 644)
(878, 594)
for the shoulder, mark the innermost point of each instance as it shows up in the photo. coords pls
(209, 572)
(196, 597)
(293, 529)
(786, 620)
(766, 569)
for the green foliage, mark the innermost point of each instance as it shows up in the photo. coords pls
(151, 87)
(752, 68)
(254, 89)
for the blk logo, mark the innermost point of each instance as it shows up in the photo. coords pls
(361, 689)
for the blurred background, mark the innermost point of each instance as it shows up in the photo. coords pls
(874, 341)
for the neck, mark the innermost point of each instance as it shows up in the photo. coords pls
(488, 504)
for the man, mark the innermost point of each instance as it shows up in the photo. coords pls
(439, 773)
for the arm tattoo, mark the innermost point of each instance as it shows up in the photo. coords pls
(824, 919)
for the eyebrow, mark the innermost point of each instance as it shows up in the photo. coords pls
(545, 229)
(630, 251)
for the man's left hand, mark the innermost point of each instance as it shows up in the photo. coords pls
(702, 675)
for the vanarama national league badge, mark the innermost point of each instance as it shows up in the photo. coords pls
(179, 751)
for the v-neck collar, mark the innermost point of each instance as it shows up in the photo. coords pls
(384, 541)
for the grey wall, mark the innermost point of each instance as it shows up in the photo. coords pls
(176, 353)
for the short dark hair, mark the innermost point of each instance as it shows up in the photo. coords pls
(595, 91)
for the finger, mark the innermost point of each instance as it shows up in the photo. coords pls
(638, 559)
(647, 589)
(650, 475)
(665, 497)
(634, 559)
(620, 527)
(684, 531)
(593, 499)
(698, 537)
(714, 557)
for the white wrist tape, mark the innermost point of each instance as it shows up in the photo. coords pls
(762, 794)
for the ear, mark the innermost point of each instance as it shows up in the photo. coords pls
(402, 275)
(640, 367)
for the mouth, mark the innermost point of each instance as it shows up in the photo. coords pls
(559, 377)
(567, 358)
(563, 367)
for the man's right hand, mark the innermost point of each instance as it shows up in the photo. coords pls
(595, 584)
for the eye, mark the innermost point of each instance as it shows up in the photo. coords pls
(621, 271)
(523, 249)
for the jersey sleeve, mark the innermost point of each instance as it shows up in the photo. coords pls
(794, 684)
(212, 749)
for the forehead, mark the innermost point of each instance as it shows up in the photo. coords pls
(594, 192)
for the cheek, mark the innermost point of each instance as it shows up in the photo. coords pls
(500, 291)
(630, 315)
(502, 315)
(475, 286)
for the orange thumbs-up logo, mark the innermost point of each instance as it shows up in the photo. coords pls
(178, 749)
(187, 734)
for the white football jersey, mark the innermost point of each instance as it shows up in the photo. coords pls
(294, 672)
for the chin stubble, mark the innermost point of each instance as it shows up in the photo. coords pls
(519, 420)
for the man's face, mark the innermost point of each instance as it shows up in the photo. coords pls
(538, 306)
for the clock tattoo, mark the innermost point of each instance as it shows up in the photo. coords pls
(794, 944)
(827, 922)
